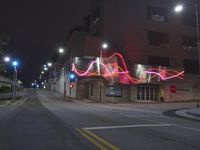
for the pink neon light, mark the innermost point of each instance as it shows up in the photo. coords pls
(164, 74)
(164, 78)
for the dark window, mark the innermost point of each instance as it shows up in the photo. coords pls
(158, 61)
(157, 14)
(97, 33)
(158, 38)
(189, 42)
(191, 66)
(189, 19)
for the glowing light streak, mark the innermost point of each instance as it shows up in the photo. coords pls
(164, 78)
(164, 74)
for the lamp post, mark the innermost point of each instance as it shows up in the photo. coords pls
(103, 47)
(179, 8)
(14, 64)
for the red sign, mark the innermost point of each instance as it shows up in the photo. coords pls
(172, 89)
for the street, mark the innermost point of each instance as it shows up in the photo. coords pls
(46, 122)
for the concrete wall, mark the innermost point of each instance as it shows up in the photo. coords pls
(186, 90)
(96, 93)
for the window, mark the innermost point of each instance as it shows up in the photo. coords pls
(157, 14)
(158, 38)
(191, 66)
(189, 19)
(189, 42)
(158, 61)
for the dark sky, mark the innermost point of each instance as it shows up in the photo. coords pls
(37, 28)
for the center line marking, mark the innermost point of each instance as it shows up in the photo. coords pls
(128, 126)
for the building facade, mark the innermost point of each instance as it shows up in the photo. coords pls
(152, 38)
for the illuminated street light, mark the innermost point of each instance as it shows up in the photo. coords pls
(45, 65)
(42, 72)
(103, 47)
(178, 8)
(45, 68)
(61, 50)
(15, 63)
(49, 64)
(7, 59)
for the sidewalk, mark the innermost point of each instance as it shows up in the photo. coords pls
(190, 113)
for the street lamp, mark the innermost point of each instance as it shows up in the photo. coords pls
(179, 8)
(61, 50)
(14, 64)
(7, 59)
(103, 47)
(49, 64)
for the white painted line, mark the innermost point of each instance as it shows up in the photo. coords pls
(128, 126)
(138, 116)
(128, 109)
(175, 125)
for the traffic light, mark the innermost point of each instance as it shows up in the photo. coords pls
(71, 86)
(72, 77)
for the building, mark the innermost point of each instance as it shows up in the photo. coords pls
(156, 42)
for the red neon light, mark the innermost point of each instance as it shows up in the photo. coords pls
(164, 74)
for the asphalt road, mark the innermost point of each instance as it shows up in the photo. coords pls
(45, 122)
(32, 127)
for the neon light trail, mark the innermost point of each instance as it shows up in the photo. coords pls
(110, 69)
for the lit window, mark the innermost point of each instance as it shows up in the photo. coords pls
(157, 14)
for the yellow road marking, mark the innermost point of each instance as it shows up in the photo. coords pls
(96, 143)
(106, 143)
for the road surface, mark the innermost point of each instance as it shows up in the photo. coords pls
(45, 122)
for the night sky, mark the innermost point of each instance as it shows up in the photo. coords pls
(37, 28)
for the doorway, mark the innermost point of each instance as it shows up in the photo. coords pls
(147, 92)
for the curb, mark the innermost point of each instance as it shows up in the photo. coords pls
(15, 103)
(181, 113)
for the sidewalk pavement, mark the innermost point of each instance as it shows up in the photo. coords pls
(190, 113)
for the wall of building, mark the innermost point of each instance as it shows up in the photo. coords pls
(5, 81)
(96, 93)
(127, 30)
(186, 90)
(61, 81)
